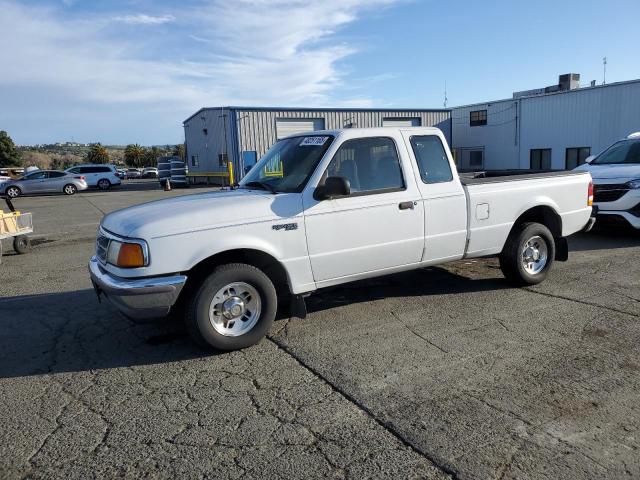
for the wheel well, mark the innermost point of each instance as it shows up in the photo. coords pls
(265, 262)
(547, 216)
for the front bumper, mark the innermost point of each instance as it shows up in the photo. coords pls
(137, 297)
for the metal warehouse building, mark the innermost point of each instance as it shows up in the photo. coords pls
(244, 134)
(555, 127)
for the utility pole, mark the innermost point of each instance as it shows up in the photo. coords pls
(604, 66)
(446, 100)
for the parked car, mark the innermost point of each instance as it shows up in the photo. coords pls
(150, 172)
(133, 173)
(121, 173)
(4, 179)
(44, 181)
(101, 176)
(616, 181)
(322, 209)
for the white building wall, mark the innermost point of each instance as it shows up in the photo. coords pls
(498, 138)
(590, 117)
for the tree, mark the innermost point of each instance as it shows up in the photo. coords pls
(133, 155)
(9, 155)
(178, 151)
(150, 158)
(97, 154)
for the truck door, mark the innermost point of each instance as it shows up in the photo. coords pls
(379, 226)
(445, 204)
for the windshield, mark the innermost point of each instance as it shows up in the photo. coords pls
(287, 165)
(625, 151)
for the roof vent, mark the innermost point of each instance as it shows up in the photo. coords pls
(569, 81)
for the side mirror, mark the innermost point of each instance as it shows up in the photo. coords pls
(590, 159)
(333, 187)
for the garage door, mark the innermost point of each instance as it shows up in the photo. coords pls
(401, 122)
(293, 126)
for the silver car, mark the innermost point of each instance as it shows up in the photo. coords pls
(44, 181)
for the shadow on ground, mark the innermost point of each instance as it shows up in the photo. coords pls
(71, 332)
(605, 239)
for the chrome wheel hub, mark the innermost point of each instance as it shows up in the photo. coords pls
(235, 309)
(534, 255)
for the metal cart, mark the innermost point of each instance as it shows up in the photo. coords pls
(16, 225)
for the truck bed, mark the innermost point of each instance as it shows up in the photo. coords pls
(493, 176)
(496, 199)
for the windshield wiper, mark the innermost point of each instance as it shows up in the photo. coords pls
(262, 185)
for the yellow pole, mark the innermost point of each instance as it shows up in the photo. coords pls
(230, 167)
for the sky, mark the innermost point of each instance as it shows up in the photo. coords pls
(130, 71)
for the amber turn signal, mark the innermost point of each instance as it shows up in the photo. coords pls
(130, 256)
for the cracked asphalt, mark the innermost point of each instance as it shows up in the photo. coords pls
(441, 372)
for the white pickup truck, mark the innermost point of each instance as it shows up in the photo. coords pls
(323, 209)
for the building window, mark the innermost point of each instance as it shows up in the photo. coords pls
(476, 158)
(222, 159)
(540, 159)
(576, 156)
(477, 118)
(194, 160)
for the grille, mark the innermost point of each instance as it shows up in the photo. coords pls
(635, 211)
(102, 245)
(609, 192)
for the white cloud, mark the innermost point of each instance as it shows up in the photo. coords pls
(143, 19)
(259, 52)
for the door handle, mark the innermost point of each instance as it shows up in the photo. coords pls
(406, 205)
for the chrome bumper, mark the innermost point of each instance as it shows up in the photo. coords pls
(137, 297)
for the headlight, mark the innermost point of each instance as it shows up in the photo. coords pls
(633, 184)
(127, 254)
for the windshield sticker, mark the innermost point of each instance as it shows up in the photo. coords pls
(313, 141)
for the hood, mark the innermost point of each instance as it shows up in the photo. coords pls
(617, 173)
(202, 211)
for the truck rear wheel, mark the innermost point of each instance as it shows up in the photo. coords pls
(234, 308)
(528, 254)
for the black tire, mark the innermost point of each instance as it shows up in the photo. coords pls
(69, 189)
(512, 261)
(13, 192)
(104, 184)
(197, 319)
(21, 244)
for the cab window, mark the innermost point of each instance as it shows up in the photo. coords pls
(371, 165)
(432, 159)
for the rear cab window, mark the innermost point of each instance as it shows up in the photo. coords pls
(432, 159)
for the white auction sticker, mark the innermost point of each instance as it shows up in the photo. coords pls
(313, 141)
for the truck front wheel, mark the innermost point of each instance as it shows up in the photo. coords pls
(234, 308)
(528, 254)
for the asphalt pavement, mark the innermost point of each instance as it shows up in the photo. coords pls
(440, 372)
